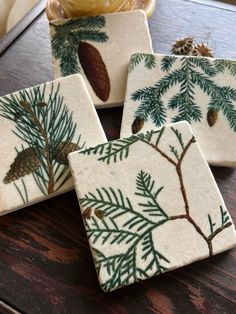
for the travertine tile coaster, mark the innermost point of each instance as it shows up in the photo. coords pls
(100, 48)
(150, 204)
(39, 126)
(163, 89)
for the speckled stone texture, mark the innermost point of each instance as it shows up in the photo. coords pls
(150, 204)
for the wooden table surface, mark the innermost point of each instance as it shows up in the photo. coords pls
(45, 262)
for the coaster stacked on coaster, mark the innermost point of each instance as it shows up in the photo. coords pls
(39, 126)
(100, 48)
(163, 89)
(150, 204)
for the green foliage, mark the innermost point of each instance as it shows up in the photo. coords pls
(167, 63)
(118, 150)
(224, 216)
(224, 219)
(146, 189)
(193, 72)
(68, 35)
(221, 65)
(137, 58)
(136, 229)
(113, 151)
(42, 128)
(179, 137)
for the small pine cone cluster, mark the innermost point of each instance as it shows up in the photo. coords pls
(202, 50)
(25, 163)
(186, 46)
(183, 46)
(62, 151)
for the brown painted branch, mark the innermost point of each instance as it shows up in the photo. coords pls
(163, 154)
(191, 141)
(46, 150)
(211, 237)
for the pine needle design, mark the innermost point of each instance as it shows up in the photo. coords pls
(136, 59)
(70, 45)
(193, 72)
(135, 231)
(45, 125)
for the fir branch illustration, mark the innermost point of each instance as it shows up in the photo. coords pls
(28, 108)
(70, 44)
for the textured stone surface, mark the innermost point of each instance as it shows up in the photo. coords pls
(100, 48)
(163, 89)
(39, 126)
(150, 204)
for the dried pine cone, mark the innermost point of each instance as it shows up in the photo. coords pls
(25, 163)
(202, 50)
(183, 46)
(62, 151)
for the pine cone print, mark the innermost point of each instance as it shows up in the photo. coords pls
(25, 163)
(137, 125)
(62, 151)
(87, 213)
(95, 70)
(183, 46)
(212, 116)
(202, 50)
(99, 214)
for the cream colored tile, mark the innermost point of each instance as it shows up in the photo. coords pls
(163, 89)
(100, 48)
(150, 204)
(39, 126)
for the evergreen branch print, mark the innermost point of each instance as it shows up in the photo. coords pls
(71, 46)
(134, 226)
(193, 72)
(146, 189)
(115, 151)
(136, 59)
(45, 124)
(167, 63)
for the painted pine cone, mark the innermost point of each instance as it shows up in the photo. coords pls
(137, 125)
(95, 70)
(62, 151)
(25, 163)
(212, 116)
(202, 50)
(182, 46)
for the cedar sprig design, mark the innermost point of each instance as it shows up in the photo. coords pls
(45, 125)
(68, 36)
(148, 59)
(136, 229)
(193, 73)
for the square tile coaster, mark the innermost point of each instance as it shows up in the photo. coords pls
(39, 126)
(100, 48)
(163, 89)
(150, 204)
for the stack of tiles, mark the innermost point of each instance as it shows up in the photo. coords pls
(39, 126)
(150, 204)
(163, 89)
(100, 48)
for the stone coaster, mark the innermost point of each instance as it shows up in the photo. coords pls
(100, 48)
(39, 126)
(163, 89)
(150, 204)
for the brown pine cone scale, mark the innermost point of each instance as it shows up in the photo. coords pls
(62, 151)
(25, 163)
(95, 70)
